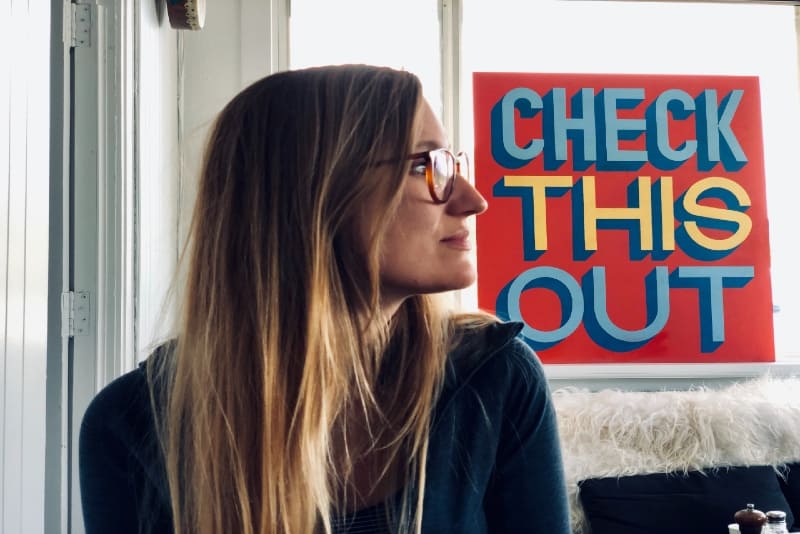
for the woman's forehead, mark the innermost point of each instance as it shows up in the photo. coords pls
(430, 132)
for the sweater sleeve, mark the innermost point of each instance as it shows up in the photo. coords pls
(527, 492)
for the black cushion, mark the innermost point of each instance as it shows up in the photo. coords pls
(700, 502)
(791, 490)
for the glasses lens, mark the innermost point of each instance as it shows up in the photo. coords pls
(444, 170)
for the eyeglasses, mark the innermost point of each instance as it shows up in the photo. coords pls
(440, 168)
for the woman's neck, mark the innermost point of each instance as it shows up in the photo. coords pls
(371, 468)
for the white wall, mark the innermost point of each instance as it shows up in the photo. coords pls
(211, 75)
(24, 218)
(230, 52)
(184, 78)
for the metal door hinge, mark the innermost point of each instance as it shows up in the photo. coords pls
(78, 25)
(75, 313)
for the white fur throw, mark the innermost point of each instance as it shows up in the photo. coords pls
(612, 433)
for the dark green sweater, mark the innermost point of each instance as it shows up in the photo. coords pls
(494, 463)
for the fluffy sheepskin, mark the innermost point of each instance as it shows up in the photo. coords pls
(613, 433)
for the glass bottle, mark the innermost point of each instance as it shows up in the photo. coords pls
(776, 523)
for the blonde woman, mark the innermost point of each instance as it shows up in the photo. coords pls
(314, 385)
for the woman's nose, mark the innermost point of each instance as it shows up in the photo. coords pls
(466, 199)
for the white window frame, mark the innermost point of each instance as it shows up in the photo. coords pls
(99, 219)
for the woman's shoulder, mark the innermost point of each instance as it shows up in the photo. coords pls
(124, 406)
(494, 349)
(508, 376)
(496, 373)
(125, 394)
(122, 477)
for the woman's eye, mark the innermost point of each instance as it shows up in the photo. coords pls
(418, 167)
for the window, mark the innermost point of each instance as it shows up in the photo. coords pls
(591, 37)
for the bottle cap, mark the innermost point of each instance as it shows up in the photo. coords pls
(776, 516)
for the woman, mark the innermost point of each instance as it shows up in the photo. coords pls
(315, 386)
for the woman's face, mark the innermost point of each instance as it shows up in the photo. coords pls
(428, 247)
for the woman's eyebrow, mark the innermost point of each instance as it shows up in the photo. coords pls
(422, 146)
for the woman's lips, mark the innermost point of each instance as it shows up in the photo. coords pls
(459, 241)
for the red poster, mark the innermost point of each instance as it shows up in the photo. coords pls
(627, 217)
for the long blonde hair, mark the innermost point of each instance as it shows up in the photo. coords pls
(281, 335)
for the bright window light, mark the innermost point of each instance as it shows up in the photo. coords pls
(403, 35)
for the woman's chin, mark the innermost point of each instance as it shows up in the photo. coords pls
(463, 280)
